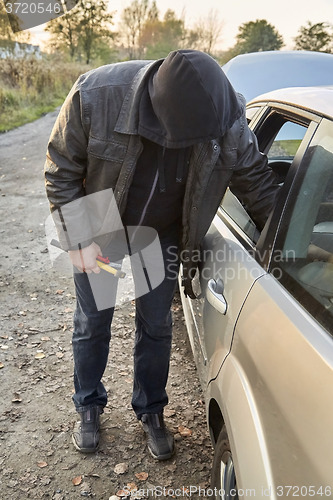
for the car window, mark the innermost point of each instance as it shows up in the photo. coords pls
(304, 263)
(287, 141)
(279, 138)
(233, 207)
(282, 143)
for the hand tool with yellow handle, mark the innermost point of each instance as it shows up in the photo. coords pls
(110, 267)
(102, 262)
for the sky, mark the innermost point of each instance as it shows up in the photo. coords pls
(287, 16)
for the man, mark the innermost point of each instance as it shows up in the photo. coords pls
(168, 137)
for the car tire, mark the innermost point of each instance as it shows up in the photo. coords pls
(223, 478)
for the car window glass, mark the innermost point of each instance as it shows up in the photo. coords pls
(284, 147)
(233, 207)
(287, 141)
(305, 265)
(282, 138)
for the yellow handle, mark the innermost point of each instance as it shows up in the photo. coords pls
(107, 268)
(110, 269)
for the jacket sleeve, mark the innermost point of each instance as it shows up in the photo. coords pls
(253, 182)
(65, 172)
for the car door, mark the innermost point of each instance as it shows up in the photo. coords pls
(230, 265)
(280, 368)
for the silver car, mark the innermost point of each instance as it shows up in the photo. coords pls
(258, 72)
(261, 331)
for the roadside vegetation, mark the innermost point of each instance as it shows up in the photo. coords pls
(31, 87)
(87, 37)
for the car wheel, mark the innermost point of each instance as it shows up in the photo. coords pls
(223, 473)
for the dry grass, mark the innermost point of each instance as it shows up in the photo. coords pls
(31, 87)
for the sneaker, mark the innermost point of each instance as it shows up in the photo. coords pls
(86, 432)
(160, 441)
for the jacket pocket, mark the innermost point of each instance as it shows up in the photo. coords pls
(106, 149)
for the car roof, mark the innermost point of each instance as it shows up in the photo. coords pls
(316, 99)
(258, 72)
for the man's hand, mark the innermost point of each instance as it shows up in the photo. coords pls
(85, 259)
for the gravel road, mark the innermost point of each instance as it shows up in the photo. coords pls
(37, 458)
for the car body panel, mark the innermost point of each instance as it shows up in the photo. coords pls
(276, 398)
(247, 441)
(220, 245)
(259, 72)
(312, 99)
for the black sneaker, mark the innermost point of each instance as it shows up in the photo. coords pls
(159, 440)
(86, 432)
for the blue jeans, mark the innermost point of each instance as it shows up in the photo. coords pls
(153, 335)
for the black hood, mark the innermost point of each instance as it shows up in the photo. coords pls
(188, 100)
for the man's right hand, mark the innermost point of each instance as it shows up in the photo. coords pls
(85, 259)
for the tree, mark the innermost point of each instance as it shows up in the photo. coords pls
(83, 30)
(133, 20)
(317, 37)
(256, 36)
(206, 32)
(158, 38)
(93, 25)
(10, 23)
(64, 34)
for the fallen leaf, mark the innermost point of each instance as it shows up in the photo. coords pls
(42, 464)
(131, 486)
(184, 431)
(142, 476)
(77, 480)
(1, 365)
(68, 310)
(59, 292)
(59, 355)
(45, 339)
(121, 468)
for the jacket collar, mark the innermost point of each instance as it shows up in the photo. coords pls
(128, 120)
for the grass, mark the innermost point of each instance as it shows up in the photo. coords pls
(17, 111)
(30, 87)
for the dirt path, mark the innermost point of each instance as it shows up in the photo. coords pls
(37, 458)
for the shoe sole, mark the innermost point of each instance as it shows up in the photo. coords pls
(84, 450)
(161, 457)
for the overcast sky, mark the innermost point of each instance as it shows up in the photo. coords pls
(287, 16)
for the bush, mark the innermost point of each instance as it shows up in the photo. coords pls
(30, 87)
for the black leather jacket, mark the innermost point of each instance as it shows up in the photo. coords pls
(95, 145)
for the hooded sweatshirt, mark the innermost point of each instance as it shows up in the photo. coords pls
(188, 100)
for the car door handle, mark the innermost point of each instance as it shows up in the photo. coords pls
(215, 295)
